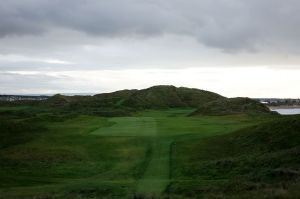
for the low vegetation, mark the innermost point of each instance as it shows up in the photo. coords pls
(169, 97)
(254, 162)
(82, 147)
(229, 106)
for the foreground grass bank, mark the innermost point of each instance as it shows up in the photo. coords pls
(255, 162)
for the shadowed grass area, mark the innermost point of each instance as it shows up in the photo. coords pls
(13, 108)
(66, 153)
(255, 162)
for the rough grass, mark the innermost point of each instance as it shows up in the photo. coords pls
(257, 162)
(97, 157)
(169, 97)
(229, 106)
(66, 153)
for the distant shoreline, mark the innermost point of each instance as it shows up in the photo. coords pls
(284, 107)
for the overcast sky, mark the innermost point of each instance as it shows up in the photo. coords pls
(233, 47)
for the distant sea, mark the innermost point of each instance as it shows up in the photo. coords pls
(286, 111)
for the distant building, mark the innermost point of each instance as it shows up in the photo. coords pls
(12, 98)
(264, 102)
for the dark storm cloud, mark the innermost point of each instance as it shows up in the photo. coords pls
(91, 16)
(229, 25)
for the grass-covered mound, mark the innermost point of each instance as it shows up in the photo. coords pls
(256, 162)
(228, 106)
(125, 102)
(100, 100)
(105, 104)
(169, 97)
(59, 100)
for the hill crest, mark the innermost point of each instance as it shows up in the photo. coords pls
(229, 106)
(160, 97)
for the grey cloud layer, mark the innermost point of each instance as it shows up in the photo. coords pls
(229, 25)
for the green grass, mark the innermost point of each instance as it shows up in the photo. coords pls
(128, 126)
(13, 108)
(66, 153)
(255, 162)
(229, 106)
(97, 157)
(157, 174)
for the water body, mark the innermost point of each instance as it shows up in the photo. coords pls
(287, 111)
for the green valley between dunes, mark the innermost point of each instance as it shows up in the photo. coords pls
(159, 142)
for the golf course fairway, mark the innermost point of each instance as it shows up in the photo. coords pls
(108, 157)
